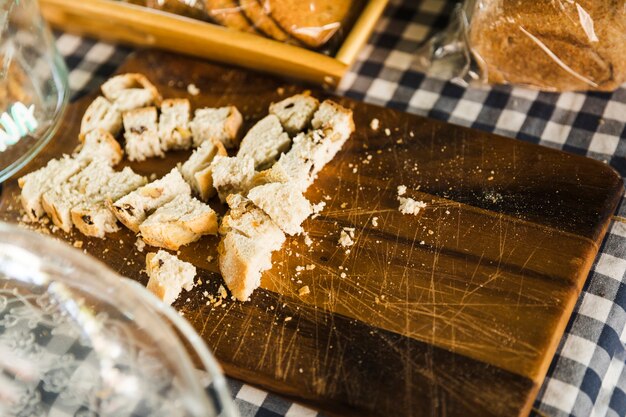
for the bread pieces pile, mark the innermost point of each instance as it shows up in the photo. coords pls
(263, 184)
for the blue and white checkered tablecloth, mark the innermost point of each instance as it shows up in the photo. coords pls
(587, 376)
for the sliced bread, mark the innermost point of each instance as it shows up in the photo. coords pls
(284, 203)
(131, 91)
(197, 169)
(50, 177)
(133, 208)
(140, 132)
(168, 275)
(100, 144)
(264, 142)
(174, 130)
(179, 222)
(232, 175)
(93, 217)
(334, 120)
(101, 114)
(216, 124)
(249, 237)
(295, 112)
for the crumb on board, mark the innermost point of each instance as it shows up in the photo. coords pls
(374, 124)
(140, 244)
(209, 258)
(317, 208)
(78, 244)
(307, 240)
(304, 291)
(387, 132)
(193, 90)
(375, 221)
(401, 190)
(343, 275)
(346, 237)
(410, 206)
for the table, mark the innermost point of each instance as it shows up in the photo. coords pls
(587, 376)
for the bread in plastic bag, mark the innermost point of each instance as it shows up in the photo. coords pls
(553, 45)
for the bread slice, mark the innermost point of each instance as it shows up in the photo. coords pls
(50, 177)
(197, 169)
(264, 142)
(86, 185)
(168, 275)
(179, 222)
(284, 203)
(227, 13)
(249, 237)
(100, 144)
(232, 175)
(174, 130)
(101, 114)
(93, 217)
(256, 14)
(217, 124)
(140, 132)
(133, 208)
(334, 120)
(131, 91)
(295, 112)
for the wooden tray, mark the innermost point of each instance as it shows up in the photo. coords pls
(454, 312)
(136, 25)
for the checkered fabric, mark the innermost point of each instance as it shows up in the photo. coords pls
(587, 376)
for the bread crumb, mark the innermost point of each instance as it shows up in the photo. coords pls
(304, 291)
(140, 244)
(401, 190)
(375, 221)
(288, 319)
(317, 208)
(374, 124)
(78, 244)
(209, 258)
(346, 237)
(343, 275)
(387, 132)
(344, 205)
(410, 206)
(307, 240)
(280, 91)
(310, 267)
(153, 176)
(222, 291)
(193, 90)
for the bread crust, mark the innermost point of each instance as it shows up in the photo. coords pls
(227, 13)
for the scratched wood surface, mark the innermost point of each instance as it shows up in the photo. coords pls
(454, 312)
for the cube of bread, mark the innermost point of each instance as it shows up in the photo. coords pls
(93, 217)
(264, 142)
(132, 209)
(217, 124)
(179, 222)
(197, 169)
(276, 173)
(232, 175)
(174, 130)
(249, 237)
(284, 203)
(295, 112)
(101, 114)
(131, 91)
(140, 132)
(84, 186)
(334, 120)
(37, 183)
(168, 275)
(100, 144)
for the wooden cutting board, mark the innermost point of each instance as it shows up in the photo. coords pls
(454, 312)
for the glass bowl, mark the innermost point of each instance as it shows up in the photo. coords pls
(85, 341)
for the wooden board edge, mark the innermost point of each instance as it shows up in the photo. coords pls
(140, 26)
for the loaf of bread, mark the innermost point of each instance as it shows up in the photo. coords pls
(554, 46)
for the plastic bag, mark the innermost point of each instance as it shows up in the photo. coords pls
(553, 45)
(313, 24)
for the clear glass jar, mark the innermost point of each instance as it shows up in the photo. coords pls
(33, 84)
(99, 344)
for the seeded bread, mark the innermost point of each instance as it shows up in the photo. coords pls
(295, 112)
(99, 144)
(93, 217)
(197, 169)
(179, 222)
(249, 237)
(131, 91)
(217, 124)
(174, 130)
(50, 177)
(264, 142)
(168, 275)
(232, 175)
(132, 209)
(140, 132)
(101, 114)
(284, 203)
